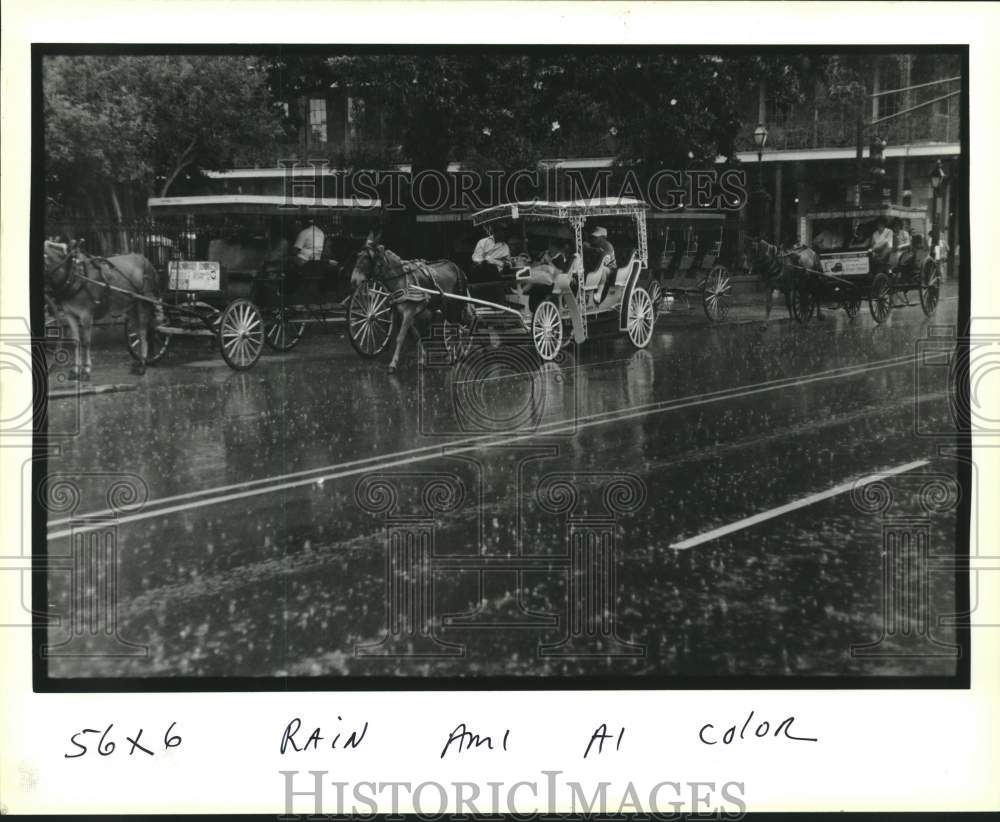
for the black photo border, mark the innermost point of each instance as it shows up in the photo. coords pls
(42, 682)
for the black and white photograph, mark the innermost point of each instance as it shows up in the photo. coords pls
(495, 408)
(534, 367)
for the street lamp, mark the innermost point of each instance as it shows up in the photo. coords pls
(760, 140)
(760, 195)
(937, 177)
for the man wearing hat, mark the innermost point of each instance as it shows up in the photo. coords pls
(605, 254)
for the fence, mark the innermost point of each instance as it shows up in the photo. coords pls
(841, 132)
(158, 241)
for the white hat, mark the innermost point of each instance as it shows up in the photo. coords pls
(599, 232)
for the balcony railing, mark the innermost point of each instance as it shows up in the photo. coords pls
(841, 133)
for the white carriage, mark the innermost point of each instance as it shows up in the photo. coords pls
(559, 303)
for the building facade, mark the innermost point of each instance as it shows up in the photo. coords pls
(809, 163)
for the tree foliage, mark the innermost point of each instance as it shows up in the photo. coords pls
(137, 122)
(507, 111)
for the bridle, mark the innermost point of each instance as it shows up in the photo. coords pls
(61, 288)
(71, 285)
(378, 262)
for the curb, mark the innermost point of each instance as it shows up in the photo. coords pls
(83, 390)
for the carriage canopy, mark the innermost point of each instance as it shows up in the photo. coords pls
(575, 212)
(220, 204)
(856, 216)
(561, 209)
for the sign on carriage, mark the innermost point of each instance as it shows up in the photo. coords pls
(851, 263)
(193, 275)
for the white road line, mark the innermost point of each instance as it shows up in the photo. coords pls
(748, 522)
(368, 464)
(439, 449)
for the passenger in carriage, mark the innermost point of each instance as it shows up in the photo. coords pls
(552, 262)
(557, 255)
(902, 257)
(829, 239)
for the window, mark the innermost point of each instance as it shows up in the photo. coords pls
(891, 77)
(317, 120)
(779, 113)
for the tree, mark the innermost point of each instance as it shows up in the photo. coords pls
(135, 123)
(508, 110)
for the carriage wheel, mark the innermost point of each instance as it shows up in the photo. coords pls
(641, 317)
(930, 286)
(547, 330)
(852, 305)
(880, 298)
(656, 295)
(241, 334)
(157, 342)
(370, 320)
(457, 340)
(283, 334)
(802, 302)
(715, 294)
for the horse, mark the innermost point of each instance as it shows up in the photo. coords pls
(376, 262)
(778, 268)
(87, 288)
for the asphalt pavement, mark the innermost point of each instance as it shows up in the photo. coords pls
(713, 505)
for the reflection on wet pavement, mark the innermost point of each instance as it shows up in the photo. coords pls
(297, 511)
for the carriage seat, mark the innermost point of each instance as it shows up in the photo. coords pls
(621, 277)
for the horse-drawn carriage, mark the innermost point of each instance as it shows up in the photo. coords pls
(851, 273)
(246, 239)
(81, 288)
(552, 301)
(689, 266)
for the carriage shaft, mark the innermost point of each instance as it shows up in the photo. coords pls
(473, 300)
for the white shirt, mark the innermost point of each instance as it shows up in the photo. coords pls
(489, 250)
(882, 240)
(310, 243)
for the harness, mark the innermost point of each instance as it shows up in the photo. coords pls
(74, 281)
(777, 260)
(409, 272)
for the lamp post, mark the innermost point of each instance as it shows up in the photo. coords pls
(937, 177)
(760, 195)
(760, 140)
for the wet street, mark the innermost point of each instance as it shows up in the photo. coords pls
(685, 510)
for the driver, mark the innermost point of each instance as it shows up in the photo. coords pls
(308, 246)
(881, 242)
(490, 255)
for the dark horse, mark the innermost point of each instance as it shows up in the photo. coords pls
(87, 288)
(398, 276)
(779, 268)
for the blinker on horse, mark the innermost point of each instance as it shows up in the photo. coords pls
(87, 288)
